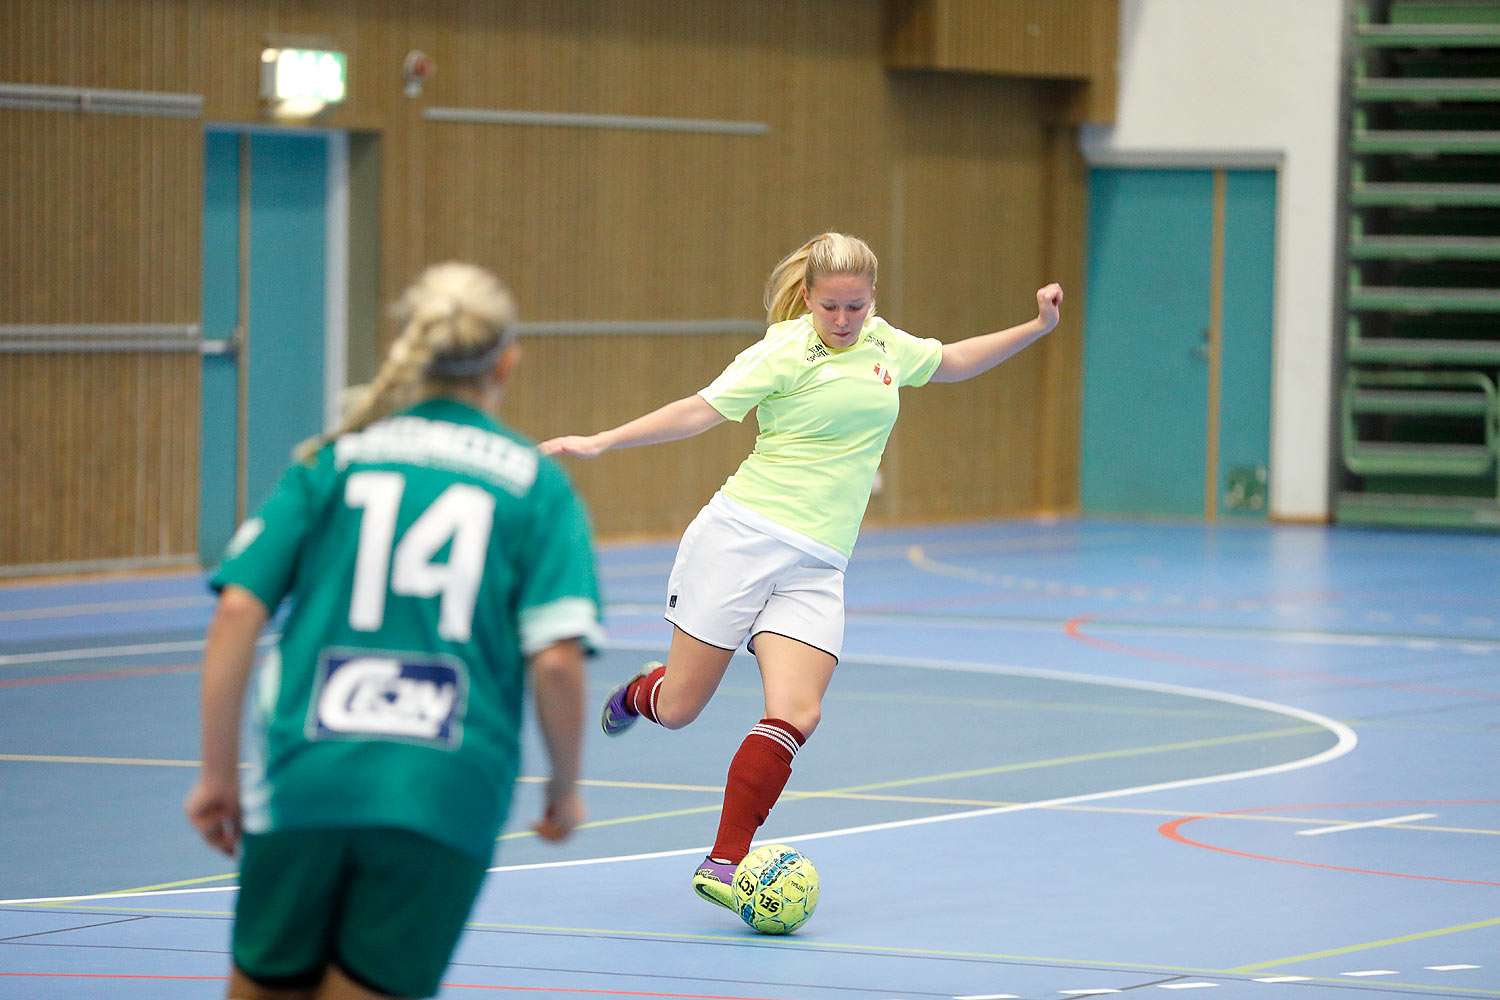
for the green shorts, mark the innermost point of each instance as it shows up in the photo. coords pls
(385, 905)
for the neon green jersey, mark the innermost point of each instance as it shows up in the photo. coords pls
(825, 416)
(424, 558)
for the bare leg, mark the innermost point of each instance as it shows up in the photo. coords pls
(694, 670)
(242, 987)
(337, 986)
(795, 676)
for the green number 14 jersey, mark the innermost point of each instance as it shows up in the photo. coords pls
(424, 558)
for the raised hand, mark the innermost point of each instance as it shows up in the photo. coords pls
(1048, 301)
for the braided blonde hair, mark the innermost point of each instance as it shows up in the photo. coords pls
(455, 321)
(830, 253)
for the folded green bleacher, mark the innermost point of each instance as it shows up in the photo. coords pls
(1419, 423)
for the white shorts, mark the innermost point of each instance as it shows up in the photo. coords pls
(732, 581)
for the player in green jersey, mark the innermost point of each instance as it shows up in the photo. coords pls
(434, 563)
(765, 559)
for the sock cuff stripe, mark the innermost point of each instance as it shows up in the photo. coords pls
(654, 689)
(777, 735)
(786, 727)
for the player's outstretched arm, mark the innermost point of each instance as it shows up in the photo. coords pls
(558, 682)
(677, 420)
(976, 355)
(213, 805)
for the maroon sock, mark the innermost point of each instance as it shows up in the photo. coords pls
(757, 775)
(640, 696)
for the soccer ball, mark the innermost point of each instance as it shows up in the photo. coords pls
(775, 889)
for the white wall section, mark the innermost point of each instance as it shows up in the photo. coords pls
(1230, 81)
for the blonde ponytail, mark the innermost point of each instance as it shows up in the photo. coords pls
(830, 253)
(455, 321)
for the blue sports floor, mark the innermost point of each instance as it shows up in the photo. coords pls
(1059, 759)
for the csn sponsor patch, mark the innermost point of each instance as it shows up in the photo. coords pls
(391, 696)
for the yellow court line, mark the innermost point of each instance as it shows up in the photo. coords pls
(1276, 963)
(179, 885)
(36, 758)
(919, 560)
(850, 793)
(85, 905)
(644, 817)
(1036, 703)
(1089, 757)
(651, 785)
(888, 949)
(805, 943)
(832, 794)
(999, 769)
(1106, 755)
(143, 888)
(31, 758)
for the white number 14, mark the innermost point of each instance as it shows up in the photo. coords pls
(462, 514)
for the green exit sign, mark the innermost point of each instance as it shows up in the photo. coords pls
(303, 76)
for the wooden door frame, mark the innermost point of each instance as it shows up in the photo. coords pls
(1218, 163)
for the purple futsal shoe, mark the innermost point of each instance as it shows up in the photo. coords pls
(618, 716)
(714, 881)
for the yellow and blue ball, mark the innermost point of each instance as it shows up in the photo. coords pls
(775, 889)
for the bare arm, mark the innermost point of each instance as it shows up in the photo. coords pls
(213, 805)
(558, 682)
(677, 420)
(964, 359)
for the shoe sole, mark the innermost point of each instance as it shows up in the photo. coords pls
(615, 730)
(702, 890)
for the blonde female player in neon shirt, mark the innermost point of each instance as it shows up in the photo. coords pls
(765, 559)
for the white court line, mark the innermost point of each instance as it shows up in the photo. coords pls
(104, 652)
(117, 895)
(1450, 968)
(1187, 986)
(1371, 972)
(1283, 979)
(1364, 826)
(105, 607)
(1345, 741)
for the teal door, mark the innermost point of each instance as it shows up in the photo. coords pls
(272, 188)
(1177, 357)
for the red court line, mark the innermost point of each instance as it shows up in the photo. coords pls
(455, 986)
(98, 675)
(1074, 629)
(1171, 830)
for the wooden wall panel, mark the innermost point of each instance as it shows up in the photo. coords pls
(1067, 40)
(972, 221)
(968, 187)
(621, 224)
(1064, 197)
(101, 216)
(634, 225)
(607, 380)
(97, 458)
(1028, 38)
